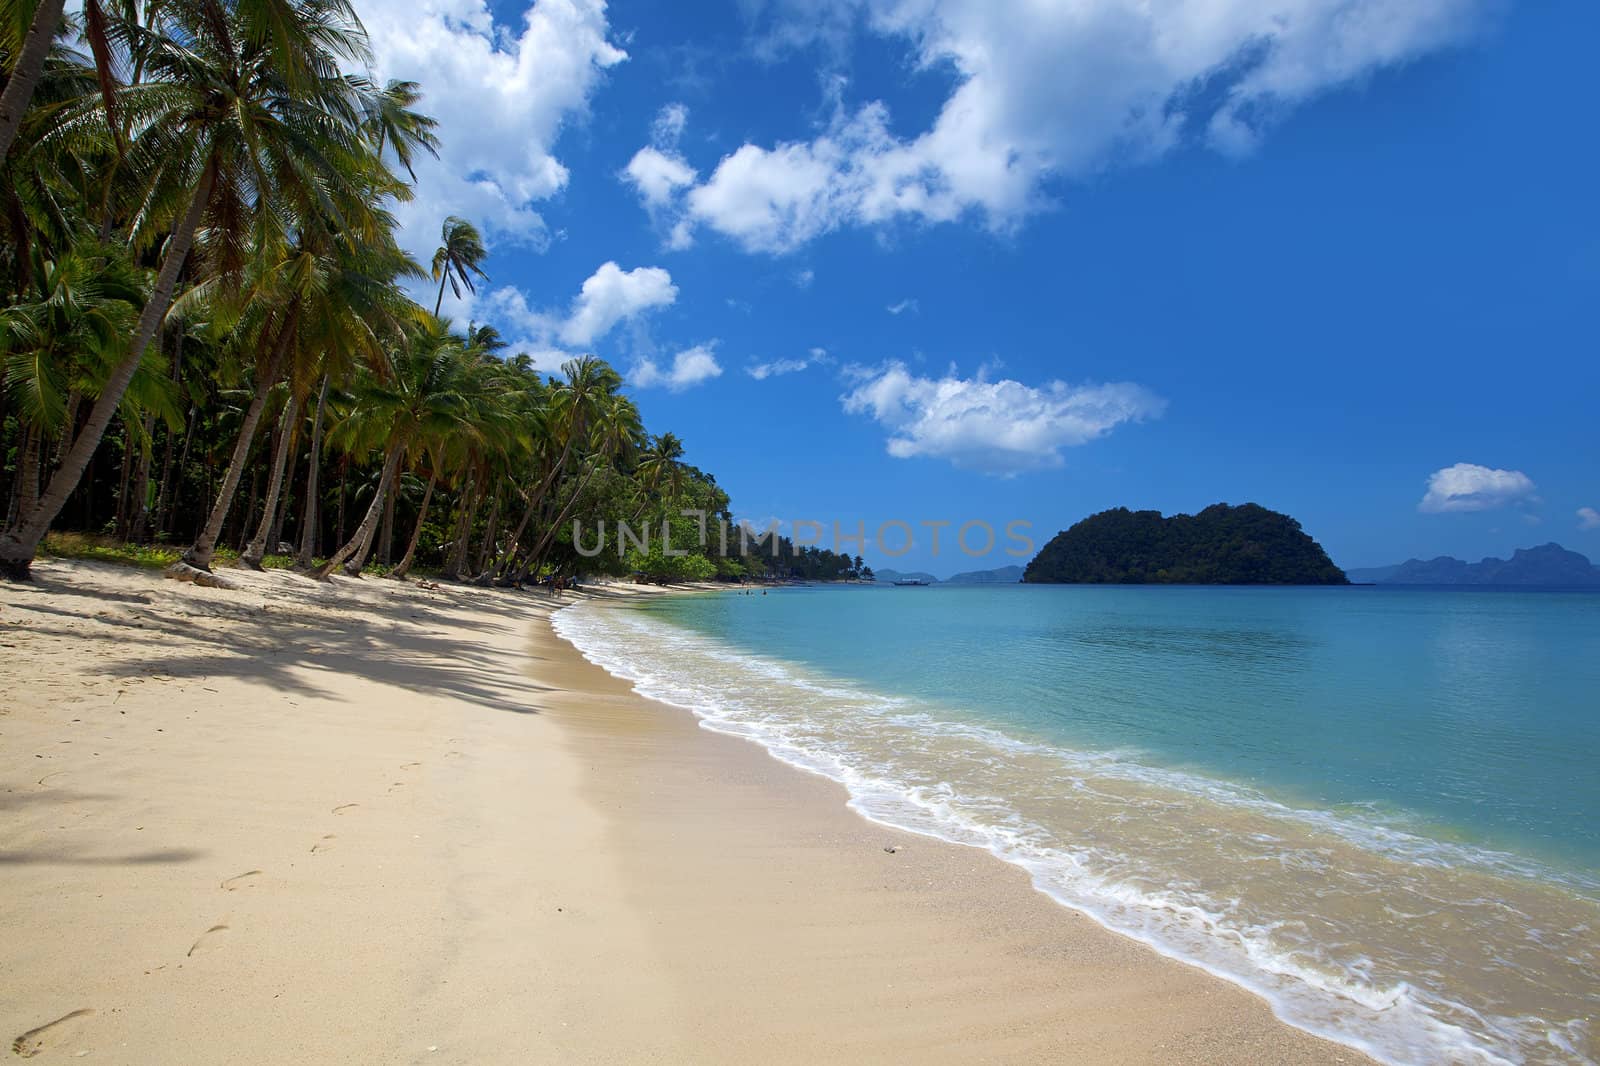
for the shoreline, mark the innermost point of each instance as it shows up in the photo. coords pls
(371, 822)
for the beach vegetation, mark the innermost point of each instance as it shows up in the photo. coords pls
(214, 350)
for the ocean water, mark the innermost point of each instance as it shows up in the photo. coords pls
(1378, 808)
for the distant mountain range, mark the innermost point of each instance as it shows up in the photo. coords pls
(1004, 575)
(1547, 566)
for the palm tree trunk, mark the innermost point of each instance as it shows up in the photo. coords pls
(369, 524)
(537, 555)
(467, 506)
(69, 426)
(30, 66)
(286, 496)
(344, 476)
(199, 555)
(124, 510)
(249, 512)
(27, 494)
(309, 520)
(516, 538)
(358, 561)
(139, 524)
(167, 448)
(170, 497)
(386, 531)
(399, 572)
(486, 552)
(18, 546)
(257, 548)
(440, 301)
(164, 484)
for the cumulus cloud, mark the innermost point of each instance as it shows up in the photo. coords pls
(779, 367)
(999, 427)
(611, 295)
(657, 175)
(502, 95)
(689, 368)
(1049, 90)
(1588, 518)
(1470, 487)
(658, 170)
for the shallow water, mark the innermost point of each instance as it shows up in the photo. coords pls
(1378, 808)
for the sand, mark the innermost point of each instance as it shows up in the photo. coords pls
(367, 822)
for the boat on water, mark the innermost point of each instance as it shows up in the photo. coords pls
(911, 581)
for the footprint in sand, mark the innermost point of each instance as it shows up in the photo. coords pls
(34, 1041)
(344, 807)
(240, 881)
(205, 939)
(323, 844)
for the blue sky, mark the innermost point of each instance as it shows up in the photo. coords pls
(932, 260)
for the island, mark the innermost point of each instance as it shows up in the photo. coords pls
(1222, 545)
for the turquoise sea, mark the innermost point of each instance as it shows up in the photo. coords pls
(1378, 808)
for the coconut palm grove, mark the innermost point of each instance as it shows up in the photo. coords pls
(210, 353)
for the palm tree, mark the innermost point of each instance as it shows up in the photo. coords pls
(424, 393)
(457, 259)
(573, 404)
(241, 101)
(64, 341)
(612, 436)
(659, 462)
(390, 122)
(330, 293)
(29, 68)
(484, 417)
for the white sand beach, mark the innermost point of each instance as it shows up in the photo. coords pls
(376, 822)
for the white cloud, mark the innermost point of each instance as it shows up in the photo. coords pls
(655, 175)
(780, 367)
(903, 306)
(689, 368)
(999, 427)
(667, 129)
(611, 295)
(1588, 518)
(657, 171)
(804, 278)
(1052, 89)
(1469, 487)
(501, 95)
(776, 368)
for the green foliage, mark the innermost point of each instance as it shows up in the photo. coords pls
(252, 128)
(1222, 545)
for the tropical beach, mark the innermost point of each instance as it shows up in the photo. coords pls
(383, 823)
(798, 531)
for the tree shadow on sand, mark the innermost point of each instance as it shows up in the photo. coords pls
(69, 857)
(269, 635)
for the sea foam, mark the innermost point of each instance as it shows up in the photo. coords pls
(1276, 899)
